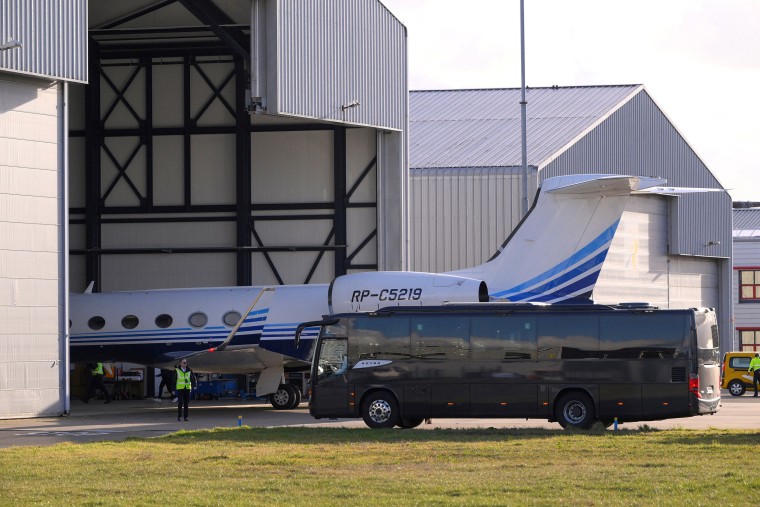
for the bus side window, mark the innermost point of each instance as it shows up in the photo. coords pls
(377, 337)
(568, 337)
(440, 337)
(503, 337)
(641, 336)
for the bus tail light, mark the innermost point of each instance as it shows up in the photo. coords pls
(694, 384)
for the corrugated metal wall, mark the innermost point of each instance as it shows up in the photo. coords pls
(333, 53)
(53, 37)
(462, 216)
(746, 255)
(31, 365)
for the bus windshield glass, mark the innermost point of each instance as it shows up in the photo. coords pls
(333, 358)
(707, 338)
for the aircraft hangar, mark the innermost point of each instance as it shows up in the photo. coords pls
(190, 143)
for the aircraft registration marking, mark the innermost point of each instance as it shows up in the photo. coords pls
(408, 294)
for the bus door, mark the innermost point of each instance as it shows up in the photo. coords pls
(330, 392)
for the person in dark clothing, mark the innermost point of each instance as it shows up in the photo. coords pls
(96, 382)
(167, 379)
(186, 381)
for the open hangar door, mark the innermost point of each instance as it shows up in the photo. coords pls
(183, 174)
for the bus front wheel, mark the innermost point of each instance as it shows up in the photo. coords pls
(406, 424)
(380, 410)
(575, 410)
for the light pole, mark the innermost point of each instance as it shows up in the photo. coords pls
(523, 113)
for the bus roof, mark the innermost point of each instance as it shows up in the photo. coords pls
(507, 308)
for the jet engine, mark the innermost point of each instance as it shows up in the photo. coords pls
(366, 292)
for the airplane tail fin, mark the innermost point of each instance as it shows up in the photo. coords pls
(558, 249)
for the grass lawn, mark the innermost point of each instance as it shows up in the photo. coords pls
(342, 467)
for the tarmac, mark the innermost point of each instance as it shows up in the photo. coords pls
(147, 418)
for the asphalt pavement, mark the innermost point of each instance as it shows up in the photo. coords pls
(119, 420)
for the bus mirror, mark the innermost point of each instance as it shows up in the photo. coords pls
(313, 323)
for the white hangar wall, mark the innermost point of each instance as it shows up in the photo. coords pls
(32, 248)
(45, 49)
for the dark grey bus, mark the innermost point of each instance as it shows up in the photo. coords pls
(574, 364)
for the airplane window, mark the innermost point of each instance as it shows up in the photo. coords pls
(231, 318)
(163, 321)
(96, 323)
(198, 319)
(130, 322)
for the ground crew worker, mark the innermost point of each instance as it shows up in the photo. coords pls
(96, 382)
(186, 381)
(754, 367)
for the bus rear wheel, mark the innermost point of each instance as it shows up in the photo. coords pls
(575, 410)
(380, 410)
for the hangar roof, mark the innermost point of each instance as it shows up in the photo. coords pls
(746, 223)
(481, 128)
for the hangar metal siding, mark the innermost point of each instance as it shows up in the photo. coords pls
(53, 34)
(746, 255)
(461, 215)
(336, 52)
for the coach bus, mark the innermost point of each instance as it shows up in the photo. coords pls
(573, 364)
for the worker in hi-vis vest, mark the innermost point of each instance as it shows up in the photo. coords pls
(754, 367)
(96, 382)
(186, 381)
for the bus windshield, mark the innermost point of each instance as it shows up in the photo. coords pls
(333, 358)
(707, 338)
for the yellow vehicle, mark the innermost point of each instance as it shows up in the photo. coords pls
(734, 374)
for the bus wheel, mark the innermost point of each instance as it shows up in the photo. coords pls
(575, 410)
(409, 423)
(736, 388)
(283, 397)
(380, 410)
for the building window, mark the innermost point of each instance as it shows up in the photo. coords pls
(750, 340)
(749, 285)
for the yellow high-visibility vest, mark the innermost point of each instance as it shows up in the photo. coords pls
(98, 370)
(183, 379)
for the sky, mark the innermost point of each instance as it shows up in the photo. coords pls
(698, 59)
